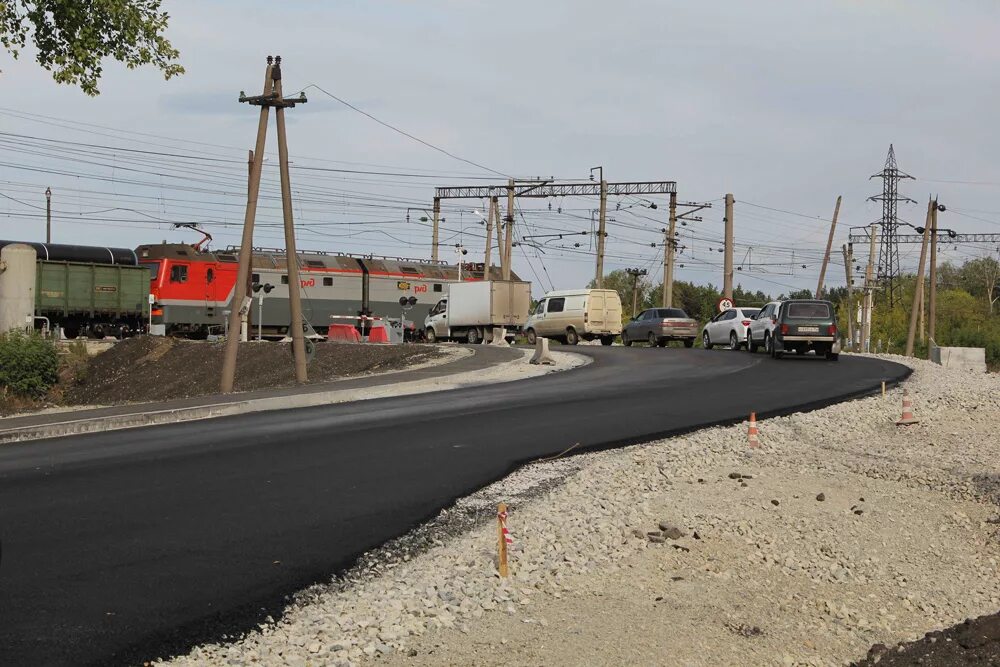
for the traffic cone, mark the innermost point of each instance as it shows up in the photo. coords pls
(752, 432)
(907, 417)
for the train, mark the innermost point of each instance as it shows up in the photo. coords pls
(89, 290)
(187, 291)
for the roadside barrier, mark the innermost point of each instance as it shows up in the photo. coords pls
(345, 333)
(504, 539)
(377, 329)
(541, 355)
(752, 432)
(907, 417)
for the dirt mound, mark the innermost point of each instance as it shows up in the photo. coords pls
(149, 368)
(974, 642)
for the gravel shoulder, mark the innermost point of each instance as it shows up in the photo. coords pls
(751, 565)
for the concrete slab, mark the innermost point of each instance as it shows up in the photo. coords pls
(965, 358)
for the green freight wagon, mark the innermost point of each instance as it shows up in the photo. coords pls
(95, 300)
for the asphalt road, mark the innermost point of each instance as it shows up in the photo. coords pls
(124, 546)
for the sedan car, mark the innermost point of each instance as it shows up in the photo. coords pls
(657, 326)
(728, 328)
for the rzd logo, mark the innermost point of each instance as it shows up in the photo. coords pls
(419, 289)
(308, 283)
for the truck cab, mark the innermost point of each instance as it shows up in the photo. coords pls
(436, 322)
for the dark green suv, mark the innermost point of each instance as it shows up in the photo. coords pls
(801, 325)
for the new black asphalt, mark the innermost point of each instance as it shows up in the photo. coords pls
(124, 546)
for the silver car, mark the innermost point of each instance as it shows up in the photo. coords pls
(657, 326)
(728, 328)
(762, 326)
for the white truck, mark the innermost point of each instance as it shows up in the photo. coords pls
(472, 310)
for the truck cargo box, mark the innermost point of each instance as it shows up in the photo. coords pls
(489, 303)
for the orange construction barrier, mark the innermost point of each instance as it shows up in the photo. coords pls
(752, 432)
(344, 333)
(378, 334)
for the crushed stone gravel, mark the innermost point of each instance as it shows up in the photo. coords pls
(905, 541)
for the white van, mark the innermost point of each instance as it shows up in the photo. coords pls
(569, 315)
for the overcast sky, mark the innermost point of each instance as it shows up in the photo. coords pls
(785, 104)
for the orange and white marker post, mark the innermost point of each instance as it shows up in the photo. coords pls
(504, 539)
(752, 432)
(907, 417)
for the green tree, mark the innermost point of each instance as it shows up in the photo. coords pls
(621, 282)
(29, 364)
(73, 37)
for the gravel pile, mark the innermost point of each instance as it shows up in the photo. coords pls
(841, 532)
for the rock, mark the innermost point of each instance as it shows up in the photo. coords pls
(821, 497)
(734, 475)
(859, 512)
(775, 502)
(671, 531)
(656, 539)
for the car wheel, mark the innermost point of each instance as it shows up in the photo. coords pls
(430, 335)
(768, 345)
(607, 340)
(734, 342)
(472, 336)
(751, 346)
(532, 338)
(652, 340)
(689, 342)
(572, 338)
(706, 341)
(625, 341)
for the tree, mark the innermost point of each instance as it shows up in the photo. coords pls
(621, 282)
(73, 37)
(982, 278)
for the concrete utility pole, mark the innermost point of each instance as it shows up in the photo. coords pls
(489, 244)
(292, 258)
(601, 226)
(919, 288)
(932, 298)
(669, 249)
(435, 215)
(635, 273)
(495, 205)
(727, 270)
(848, 263)
(866, 312)
(829, 246)
(48, 215)
(508, 242)
(246, 244)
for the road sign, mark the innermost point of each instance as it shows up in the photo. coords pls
(724, 304)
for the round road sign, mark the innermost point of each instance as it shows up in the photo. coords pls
(724, 304)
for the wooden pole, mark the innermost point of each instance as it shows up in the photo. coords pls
(848, 261)
(495, 204)
(932, 297)
(488, 269)
(829, 246)
(919, 288)
(502, 566)
(509, 231)
(669, 249)
(601, 226)
(246, 245)
(866, 313)
(727, 262)
(292, 258)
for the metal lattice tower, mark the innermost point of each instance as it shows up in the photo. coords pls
(888, 254)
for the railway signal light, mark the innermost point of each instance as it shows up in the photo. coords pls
(267, 287)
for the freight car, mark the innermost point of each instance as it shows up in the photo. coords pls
(193, 288)
(89, 290)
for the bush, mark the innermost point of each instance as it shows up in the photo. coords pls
(29, 364)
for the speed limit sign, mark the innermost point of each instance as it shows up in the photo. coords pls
(724, 304)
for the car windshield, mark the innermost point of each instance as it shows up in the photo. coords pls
(671, 312)
(809, 310)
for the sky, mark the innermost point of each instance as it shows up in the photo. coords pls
(785, 104)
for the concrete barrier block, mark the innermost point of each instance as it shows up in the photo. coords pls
(499, 337)
(542, 355)
(963, 358)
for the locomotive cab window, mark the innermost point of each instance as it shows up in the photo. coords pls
(255, 277)
(178, 273)
(154, 269)
(437, 287)
(284, 280)
(327, 282)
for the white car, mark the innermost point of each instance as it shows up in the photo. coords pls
(728, 328)
(762, 326)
